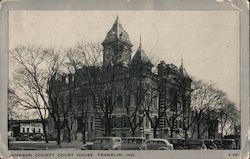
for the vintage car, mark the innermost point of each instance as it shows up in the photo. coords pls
(133, 143)
(228, 144)
(103, 143)
(195, 145)
(218, 143)
(210, 144)
(178, 143)
(159, 144)
(37, 137)
(24, 137)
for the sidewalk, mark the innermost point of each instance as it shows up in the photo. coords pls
(41, 145)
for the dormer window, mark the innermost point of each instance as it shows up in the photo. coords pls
(66, 79)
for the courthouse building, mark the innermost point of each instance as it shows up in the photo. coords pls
(143, 100)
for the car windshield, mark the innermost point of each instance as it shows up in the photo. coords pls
(132, 141)
(208, 142)
(194, 142)
(160, 142)
(217, 141)
(106, 140)
(194, 146)
(176, 141)
(227, 142)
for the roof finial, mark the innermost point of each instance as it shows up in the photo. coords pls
(117, 27)
(117, 17)
(181, 60)
(140, 39)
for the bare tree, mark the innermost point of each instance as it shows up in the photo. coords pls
(36, 67)
(84, 54)
(136, 106)
(228, 117)
(28, 80)
(211, 105)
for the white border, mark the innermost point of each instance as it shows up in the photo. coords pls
(238, 5)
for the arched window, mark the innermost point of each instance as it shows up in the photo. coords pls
(66, 79)
(132, 100)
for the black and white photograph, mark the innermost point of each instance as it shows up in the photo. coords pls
(123, 80)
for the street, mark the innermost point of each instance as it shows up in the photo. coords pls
(41, 145)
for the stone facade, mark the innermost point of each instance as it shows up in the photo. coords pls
(162, 96)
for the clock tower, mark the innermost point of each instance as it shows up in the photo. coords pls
(116, 46)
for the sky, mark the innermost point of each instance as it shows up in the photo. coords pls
(208, 41)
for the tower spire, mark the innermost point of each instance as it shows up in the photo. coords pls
(140, 39)
(117, 17)
(117, 26)
(181, 60)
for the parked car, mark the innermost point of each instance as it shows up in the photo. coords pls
(37, 137)
(22, 138)
(195, 144)
(87, 146)
(134, 143)
(103, 143)
(210, 144)
(228, 144)
(159, 144)
(178, 143)
(218, 143)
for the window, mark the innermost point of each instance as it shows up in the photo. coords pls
(124, 100)
(155, 102)
(79, 123)
(181, 124)
(147, 100)
(97, 141)
(66, 79)
(132, 100)
(118, 122)
(160, 142)
(28, 130)
(119, 100)
(147, 122)
(92, 123)
(125, 121)
(174, 101)
(23, 130)
(39, 130)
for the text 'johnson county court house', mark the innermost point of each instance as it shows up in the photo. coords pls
(124, 97)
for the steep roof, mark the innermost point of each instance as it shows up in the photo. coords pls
(184, 72)
(140, 57)
(117, 32)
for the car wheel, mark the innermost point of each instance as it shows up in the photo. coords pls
(84, 148)
(163, 148)
(138, 148)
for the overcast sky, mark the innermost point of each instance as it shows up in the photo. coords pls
(207, 40)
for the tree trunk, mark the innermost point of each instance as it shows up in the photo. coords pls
(109, 127)
(45, 136)
(58, 140)
(186, 134)
(69, 135)
(45, 132)
(171, 132)
(109, 131)
(155, 132)
(198, 129)
(83, 135)
(133, 132)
